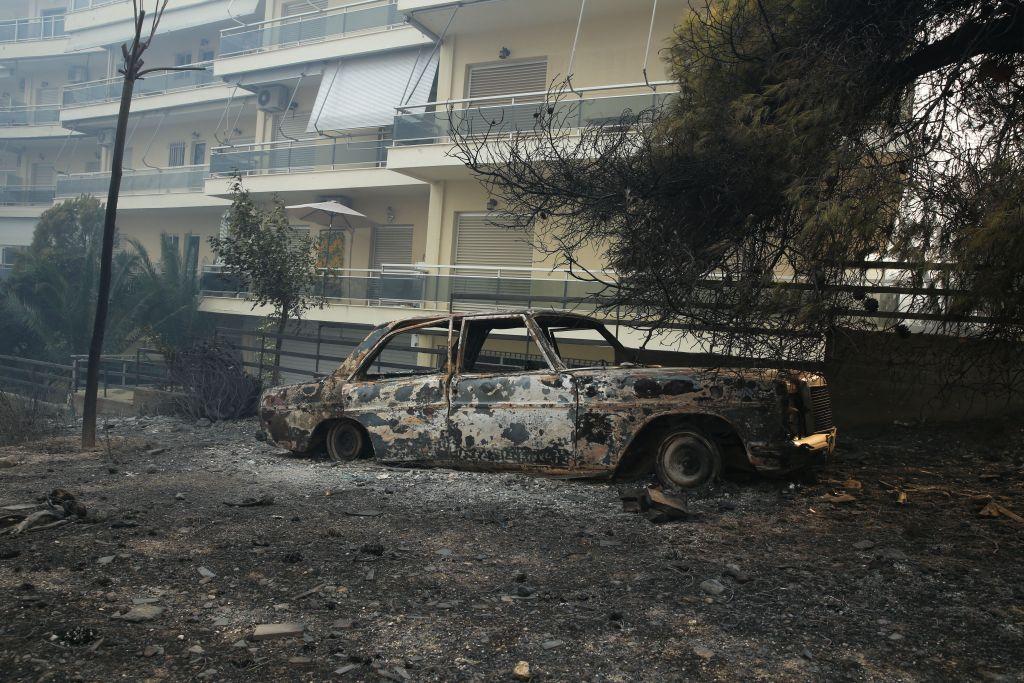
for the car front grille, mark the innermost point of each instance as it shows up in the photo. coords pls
(821, 408)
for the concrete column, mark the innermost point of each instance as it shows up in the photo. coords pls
(435, 224)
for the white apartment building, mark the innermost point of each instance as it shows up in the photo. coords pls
(312, 100)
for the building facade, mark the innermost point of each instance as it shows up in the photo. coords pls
(312, 100)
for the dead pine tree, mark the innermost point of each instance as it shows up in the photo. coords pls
(132, 70)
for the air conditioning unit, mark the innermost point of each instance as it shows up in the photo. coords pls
(273, 99)
(105, 137)
(78, 74)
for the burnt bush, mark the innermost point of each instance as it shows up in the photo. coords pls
(210, 381)
(25, 419)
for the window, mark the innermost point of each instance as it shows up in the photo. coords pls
(176, 154)
(496, 346)
(420, 351)
(581, 347)
(198, 153)
(207, 55)
(183, 59)
(8, 254)
(173, 242)
(507, 78)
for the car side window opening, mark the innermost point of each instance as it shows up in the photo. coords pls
(582, 347)
(495, 346)
(419, 351)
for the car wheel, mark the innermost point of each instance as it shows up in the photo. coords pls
(345, 441)
(687, 459)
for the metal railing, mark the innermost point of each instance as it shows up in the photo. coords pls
(503, 114)
(36, 379)
(35, 115)
(16, 195)
(32, 29)
(81, 5)
(309, 27)
(288, 156)
(137, 181)
(109, 89)
(439, 287)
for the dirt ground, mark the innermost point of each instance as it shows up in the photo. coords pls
(438, 575)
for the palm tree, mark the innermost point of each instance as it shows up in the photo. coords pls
(167, 303)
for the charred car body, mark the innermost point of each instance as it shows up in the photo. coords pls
(550, 392)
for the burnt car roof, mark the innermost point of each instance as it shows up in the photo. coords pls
(537, 315)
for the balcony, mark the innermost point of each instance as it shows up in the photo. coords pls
(174, 187)
(26, 195)
(310, 27)
(436, 287)
(5, 272)
(79, 5)
(297, 156)
(32, 37)
(422, 135)
(32, 29)
(109, 89)
(317, 164)
(314, 37)
(140, 181)
(168, 90)
(31, 122)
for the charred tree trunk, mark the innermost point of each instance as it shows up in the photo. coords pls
(103, 297)
(281, 324)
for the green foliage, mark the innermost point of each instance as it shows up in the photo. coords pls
(168, 298)
(807, 136)
(48, 302)
(275, 265)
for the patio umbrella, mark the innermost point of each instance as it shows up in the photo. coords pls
(325, 213)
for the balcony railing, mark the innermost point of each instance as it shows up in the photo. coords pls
(5, 271)
(514, 113)
(310, 27)
(441, 287)
(39, 115)
(18, 195)
(32, 29)
(139, 181)
(78, 5)
(109, 89)
(287, 156)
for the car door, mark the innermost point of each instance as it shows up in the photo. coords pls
(398, 394)
(511, 402)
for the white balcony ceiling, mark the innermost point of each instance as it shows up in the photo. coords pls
(184, 18)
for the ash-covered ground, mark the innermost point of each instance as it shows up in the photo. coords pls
(880, 569)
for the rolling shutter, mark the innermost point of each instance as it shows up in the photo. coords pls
(489, 80)
(479, 243)
(391, 244)
(492, 80)
(290, 126)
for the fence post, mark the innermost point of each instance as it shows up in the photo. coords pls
(124, 373)
(319, 332)
(106, 381)
(263, 346)
(74, 374)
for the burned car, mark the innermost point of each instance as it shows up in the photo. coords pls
(550, 392)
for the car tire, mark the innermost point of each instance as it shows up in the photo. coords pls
(345, 441)
(687, 459)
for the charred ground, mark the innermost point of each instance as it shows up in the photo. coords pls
(439, 575)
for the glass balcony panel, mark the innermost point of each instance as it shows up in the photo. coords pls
(307, 28)
(29, 116)
(109, 90)
(14, 195)
(435, 126)
(293, 157)
(138, 182)
(32, 28)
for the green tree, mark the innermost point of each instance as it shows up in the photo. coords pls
(808, 135)
(269, 260)
(167, 298)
